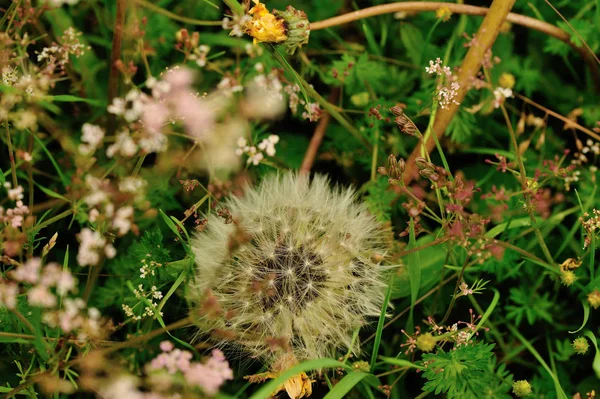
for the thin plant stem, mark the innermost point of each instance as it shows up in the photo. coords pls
(11, 156)
(23, 320)
(317, 138)
(115, 56)
(172, 15)
(526, 194)
(454, 295)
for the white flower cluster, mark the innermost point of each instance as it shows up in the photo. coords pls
(255, 156)
(91, 243)
(312, 111)
(447, 91)
(92, 137)
(236, 24)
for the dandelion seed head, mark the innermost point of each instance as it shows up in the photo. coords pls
(288, 278)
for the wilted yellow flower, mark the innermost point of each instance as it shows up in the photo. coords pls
(443, 13)
(264, 26)
(507, 80)
(570, 264)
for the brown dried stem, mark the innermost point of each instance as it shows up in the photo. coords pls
(317, 138)
(115, 55)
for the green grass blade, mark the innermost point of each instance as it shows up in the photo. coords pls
(63, 178)
(414, 271)
(381, 322)
(586, 315)
(346, 384)
(596, 362)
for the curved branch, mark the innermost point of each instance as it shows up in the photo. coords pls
(418, 6)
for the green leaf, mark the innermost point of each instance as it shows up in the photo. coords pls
(63, 178)
(71, 99)
(51, 193)
(586, 315)
(413, 40)
(346, 384)
(596, 362)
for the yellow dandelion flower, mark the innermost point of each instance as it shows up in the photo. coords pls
(264, 26)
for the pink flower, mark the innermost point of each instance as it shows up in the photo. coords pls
(166, 346)
(179, 78)
(8, 294)
(211, 375)
(28, 272)
(155, 116)
(41, 296)
(196, 114)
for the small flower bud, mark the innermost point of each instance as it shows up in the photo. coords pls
(521, 388)
(195, 40)
(594, 298)
(382, 171)
(397, 110)
(422, 163)
(426, 342)
(392, 161)
(401, 165)
(48, 247)
(181, 35)
(581, 345)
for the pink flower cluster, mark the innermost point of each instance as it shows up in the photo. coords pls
(172, 99)
(42, 281)
(209, 376)
(43, 286)
(14, 216)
